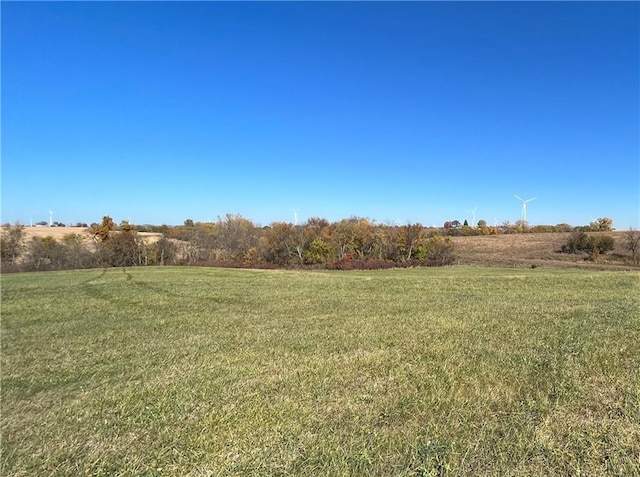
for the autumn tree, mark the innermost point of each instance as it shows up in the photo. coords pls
(441, 251)
(603, 224)
(102, 231)
(434, 250)
(11, 243)
(76, 253)
(364, 238)
(122, 248)
(203, 237)
(194, 241)
(305, 234)
(236, 235)
(342, 236)
(44, 253)
(410, 236)
(388, 243)
(277, 243)
(35, 256)
(317, 225)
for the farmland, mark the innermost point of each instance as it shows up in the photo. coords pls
(205, 371)
(536, 249)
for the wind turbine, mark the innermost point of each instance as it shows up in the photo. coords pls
(295, 216)
(524, 206)
(50, 218)
(473, 217)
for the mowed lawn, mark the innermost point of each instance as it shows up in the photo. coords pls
(420, 372)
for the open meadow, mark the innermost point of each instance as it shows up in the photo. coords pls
(165, 371)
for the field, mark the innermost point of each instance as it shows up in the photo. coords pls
(537, 249)
(419, 372)
(59, 232)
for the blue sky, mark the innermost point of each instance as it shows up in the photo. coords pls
(401, 112)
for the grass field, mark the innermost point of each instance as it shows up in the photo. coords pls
(419, 372)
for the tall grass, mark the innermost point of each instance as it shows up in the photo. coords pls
(181, 371)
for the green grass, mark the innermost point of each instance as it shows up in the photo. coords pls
(425, 372)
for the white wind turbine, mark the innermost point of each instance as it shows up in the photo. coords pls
(50, 218)
(473, 217)
(524, 206)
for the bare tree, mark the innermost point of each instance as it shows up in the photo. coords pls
(632, 243)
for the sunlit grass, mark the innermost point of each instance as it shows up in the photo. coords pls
(180, 371)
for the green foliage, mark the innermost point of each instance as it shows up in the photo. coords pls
(602, 243)
(436, 250)
(580, 241)
(319, 251)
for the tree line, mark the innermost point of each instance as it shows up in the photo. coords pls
(457, 228)
(232, 240)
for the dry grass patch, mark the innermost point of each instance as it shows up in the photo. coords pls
(537, 249)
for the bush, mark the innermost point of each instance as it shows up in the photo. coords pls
(580, 241)
(601, 243)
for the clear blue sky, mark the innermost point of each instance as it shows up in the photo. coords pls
(411, 112)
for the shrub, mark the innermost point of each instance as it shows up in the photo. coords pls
(580, 241)
(601, 243)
